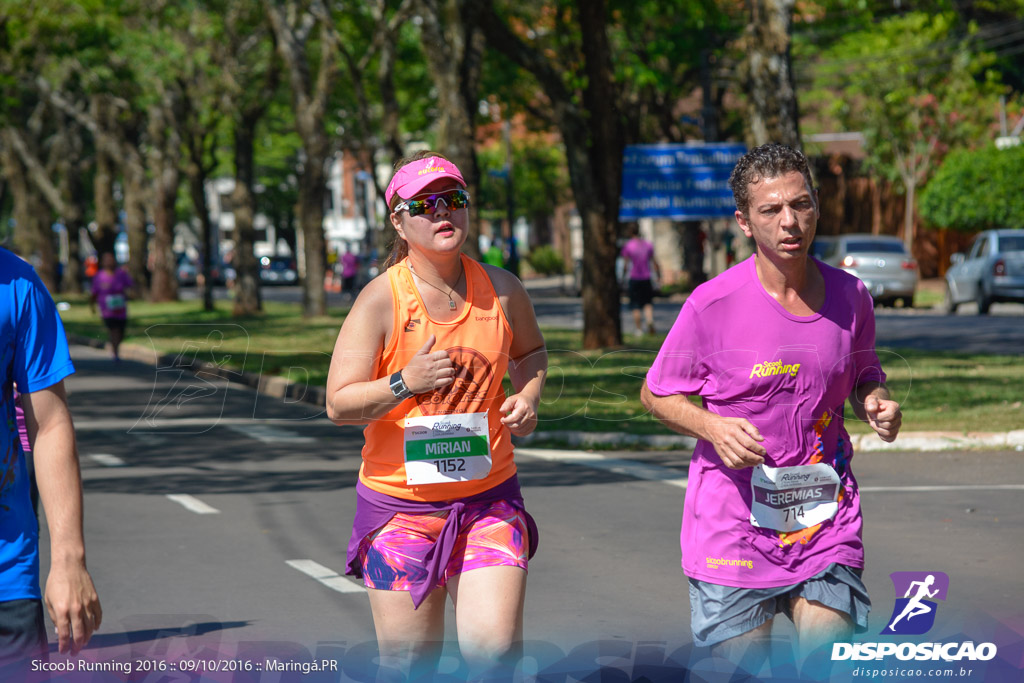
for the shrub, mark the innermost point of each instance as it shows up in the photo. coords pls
(546, 261)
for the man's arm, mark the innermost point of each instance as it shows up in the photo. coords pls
(70, 595)
(735, 439)
(871, 403)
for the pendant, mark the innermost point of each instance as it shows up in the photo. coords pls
(451, 304)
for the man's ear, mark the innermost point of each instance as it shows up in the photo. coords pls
(741, 219)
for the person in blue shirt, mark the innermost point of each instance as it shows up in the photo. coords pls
(34, 355)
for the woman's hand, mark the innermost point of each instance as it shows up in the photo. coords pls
(428, 370)
(520, 414)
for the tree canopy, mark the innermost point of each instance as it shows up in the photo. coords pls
(977, 190)
(114, 114)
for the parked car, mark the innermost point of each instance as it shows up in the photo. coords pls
(186, 271)
(189, 271)
(821, 245)
(991, 271)
(881, 262)
(278, 270)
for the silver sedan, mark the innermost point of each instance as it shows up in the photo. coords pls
(991, 271)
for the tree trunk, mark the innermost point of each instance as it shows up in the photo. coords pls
(908, 214)
(23, 241)
(592, 134)
(693, 253)
(71, 189)
(165, 153)
(602, 322)
(105, 215)
(767, 73)
(309, 100)
(454, 44)
(208, 250)
(135, 223)
(311, 223)
(46, 250)
(247, 286)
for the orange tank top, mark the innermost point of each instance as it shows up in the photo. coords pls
(434, 446)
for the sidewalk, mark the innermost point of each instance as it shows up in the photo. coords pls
(279, 387)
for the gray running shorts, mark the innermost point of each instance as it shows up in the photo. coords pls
(718, 613)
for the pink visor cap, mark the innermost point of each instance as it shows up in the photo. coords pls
(414, 176)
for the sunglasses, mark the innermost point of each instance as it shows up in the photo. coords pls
(453, 199)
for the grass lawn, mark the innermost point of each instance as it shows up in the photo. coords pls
(595, 391)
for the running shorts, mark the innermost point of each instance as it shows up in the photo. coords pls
(115, 323)
(718, 613)
(641, 293)
(491, 535)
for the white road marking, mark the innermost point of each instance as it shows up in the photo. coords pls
(106, 459)
(326, 576)
(192, 503)
(268, 434)
(632, 468)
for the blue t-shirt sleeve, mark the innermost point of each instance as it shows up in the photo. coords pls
(41, 356)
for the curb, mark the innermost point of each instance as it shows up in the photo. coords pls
(268, 385)
(279, 387)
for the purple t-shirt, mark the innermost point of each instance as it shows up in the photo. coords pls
(639, 253)
(349, 264)
(110, 289)
(746, 356)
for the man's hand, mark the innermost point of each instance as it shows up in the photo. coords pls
(73, 604)
(736, 441)
(884, 416)
(520, 414)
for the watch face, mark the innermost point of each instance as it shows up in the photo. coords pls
(398, 387)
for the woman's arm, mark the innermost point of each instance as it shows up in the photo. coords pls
(528, 365)
(354, 395)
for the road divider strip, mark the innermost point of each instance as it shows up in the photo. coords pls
(632, 468)
(268, 434)
(193, 504)
(326, 576)
(106, 459)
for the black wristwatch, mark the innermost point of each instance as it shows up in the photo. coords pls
(399, 388)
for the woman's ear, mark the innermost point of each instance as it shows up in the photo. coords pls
(396, 222)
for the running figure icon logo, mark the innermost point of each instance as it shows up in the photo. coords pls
(914, 613)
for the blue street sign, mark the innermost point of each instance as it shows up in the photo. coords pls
(683, 182)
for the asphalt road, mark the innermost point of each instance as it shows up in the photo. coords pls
(217, 521)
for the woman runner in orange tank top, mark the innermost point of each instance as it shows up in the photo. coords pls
(420, 360)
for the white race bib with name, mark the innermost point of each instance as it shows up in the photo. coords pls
(114, 301)
(446, 448)
(793, 498)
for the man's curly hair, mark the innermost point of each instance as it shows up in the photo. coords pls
(770, 160)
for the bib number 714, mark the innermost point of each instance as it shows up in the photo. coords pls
(795, 513)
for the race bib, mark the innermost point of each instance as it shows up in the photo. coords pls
(793, 498)
(446, 448)
(114, 302)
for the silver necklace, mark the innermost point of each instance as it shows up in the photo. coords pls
(451, 301)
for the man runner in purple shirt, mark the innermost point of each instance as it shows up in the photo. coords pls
(774, 347)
